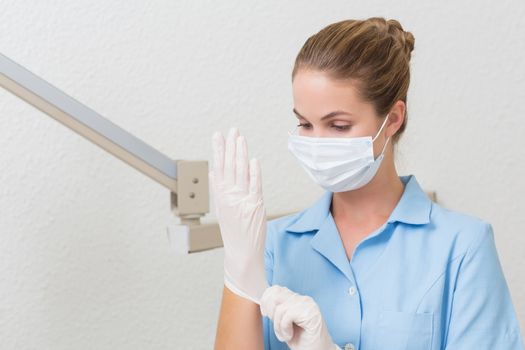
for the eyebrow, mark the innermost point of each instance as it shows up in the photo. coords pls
(329, 115)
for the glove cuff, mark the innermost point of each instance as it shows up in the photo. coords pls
(239, 292)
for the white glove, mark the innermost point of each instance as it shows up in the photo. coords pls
(297, 319)
(237, 192)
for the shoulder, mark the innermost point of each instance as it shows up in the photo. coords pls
(463, 231)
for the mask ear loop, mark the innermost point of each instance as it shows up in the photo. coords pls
(381, 128)
(388, 138)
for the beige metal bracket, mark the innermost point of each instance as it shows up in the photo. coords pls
(191, 200)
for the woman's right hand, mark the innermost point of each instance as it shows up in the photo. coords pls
(237, 191)
(297, 319)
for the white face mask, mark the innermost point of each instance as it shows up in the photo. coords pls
(338, 164)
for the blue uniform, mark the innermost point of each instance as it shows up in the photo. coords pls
(429, 278)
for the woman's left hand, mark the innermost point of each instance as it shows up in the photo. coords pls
(297, 319)
(236, 186)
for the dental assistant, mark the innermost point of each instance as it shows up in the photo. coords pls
(374, 263)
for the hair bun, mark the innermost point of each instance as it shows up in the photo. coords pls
(409, 43)
(406, 38)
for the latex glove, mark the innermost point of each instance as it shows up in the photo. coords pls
(237, 190)
(297, 319)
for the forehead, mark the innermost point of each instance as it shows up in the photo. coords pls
(315, 93)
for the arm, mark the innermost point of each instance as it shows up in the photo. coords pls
(237, 193)
(482, 315)
(240, 325)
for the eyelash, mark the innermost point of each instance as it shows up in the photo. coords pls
(337, 127)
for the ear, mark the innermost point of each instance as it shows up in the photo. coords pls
(396, 117)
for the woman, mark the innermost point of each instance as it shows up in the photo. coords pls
(374, 263)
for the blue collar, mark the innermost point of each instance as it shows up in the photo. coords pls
(413, 208)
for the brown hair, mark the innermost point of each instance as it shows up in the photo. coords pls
(373, 53)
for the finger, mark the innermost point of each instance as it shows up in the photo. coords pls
(305, 313)
(294, 314)
(283, 320)
(267, 301)
(218, 156)
(255, 178)
(241, 177)
(272, 297)
(229, 157)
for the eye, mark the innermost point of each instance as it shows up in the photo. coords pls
(304, 125)
(341, 127)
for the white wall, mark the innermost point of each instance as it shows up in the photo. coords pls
(84, 257)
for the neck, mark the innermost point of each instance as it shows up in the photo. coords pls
(373, 202)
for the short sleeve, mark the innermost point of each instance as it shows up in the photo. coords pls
(482, 314)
